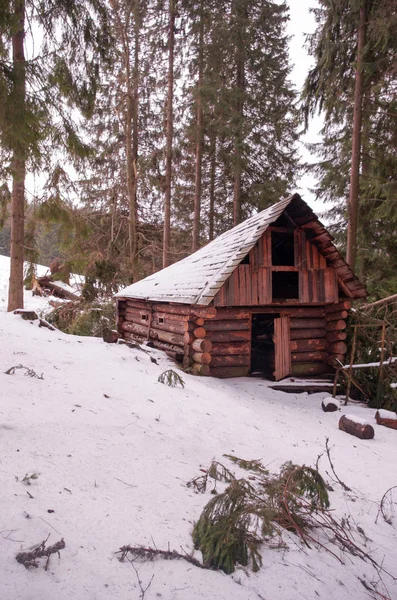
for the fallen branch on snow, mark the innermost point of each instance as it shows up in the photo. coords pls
(28, 559)
(133, 553)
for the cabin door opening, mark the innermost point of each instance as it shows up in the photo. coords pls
(262, 345)
(270, 346)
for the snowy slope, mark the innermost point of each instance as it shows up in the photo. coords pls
(113, 450)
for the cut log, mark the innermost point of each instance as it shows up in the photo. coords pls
(293, 311)
(337, 348)
(199, 333)
(135, 328)
(344, 305)
(336, 325)
(173, 327)
(201, 345)
(135, 312)
(330, 405)
(308, 345)
(154, 334)
(170, 317)
(217, 325)
(241, 348)
(176, 356)
(302, 334)
(28, 315)
(336, 336)
(364, 431)
(58, 288)
(110, 336)
(199, 321)
(230, 361)
(334, 316)
(224, 372)
(334, 358)
(198, 369)
(391, 423)
(302, 357)
(206, 312)
(229, 336)
(305, 323)
(203, 358)
(134, 337)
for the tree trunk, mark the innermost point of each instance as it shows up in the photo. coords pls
(15, 291)
(241, 16)
(211, 216)
(356, 145)
(199, 138)
(169, 121)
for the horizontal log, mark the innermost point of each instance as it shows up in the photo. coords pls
(232, 313)
(344, 305)
(199, 321)
(337, 348)
(292, 311)
(339, 325)
(230, 361)
(302, 334)
(154, 334)
(173, 326)
(331, 405)
(322, 238)
(385, 421)
(171, 317)
(201, 345)
(360, 430)
(166, 347)
(133, 337)
(229, 336)
(308, 345)
(315, 368)
(316, 355)
(137, 312)
(240, 348)
(206, 312)
(198, 369)
(334, 316)
(306, 323)
(203, 358)
(224, 372)
(336, 336)
(235, 325)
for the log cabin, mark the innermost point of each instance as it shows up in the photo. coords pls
(269, 297)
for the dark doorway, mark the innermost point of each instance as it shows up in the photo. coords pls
(262, 345)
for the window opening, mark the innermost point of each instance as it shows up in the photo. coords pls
(246, 260)
(283, 249)
(161, 319)
(285, 285)
(144, 317)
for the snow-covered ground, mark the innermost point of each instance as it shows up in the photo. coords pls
(113, 449)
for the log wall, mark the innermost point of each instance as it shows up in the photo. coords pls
(217, 341)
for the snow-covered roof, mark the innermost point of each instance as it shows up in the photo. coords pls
(198, 277)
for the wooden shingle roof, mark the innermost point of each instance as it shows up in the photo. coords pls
(197, 278)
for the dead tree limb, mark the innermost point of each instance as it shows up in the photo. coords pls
(29, 559)
(133, 553)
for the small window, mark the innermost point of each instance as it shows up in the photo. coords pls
(161, 319)
(246, 260)
(144, 317)
(283, 249)
(285, 285)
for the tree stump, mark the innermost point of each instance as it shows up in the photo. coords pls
(357, 427)
(110, 336)
(330, 405)
(386, 418)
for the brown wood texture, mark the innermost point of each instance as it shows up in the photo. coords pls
(225, 372)
(237, 348)
(310, 368)
(336, 336)
(232, 325)
(202, 357)
(229, 336)
(225, 314)
(307, 334)
(201, 345)
(154, 334)
(364, 432)
(334, 358)
(391, 423)
(282, 347)
(337, 348)
(306, 357)
(334, 316)
(200, 369)
(344, 305)
(339, 325)
(308, 345)
(230, 361)
(305, 323)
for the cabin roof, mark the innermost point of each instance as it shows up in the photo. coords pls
(197, 278)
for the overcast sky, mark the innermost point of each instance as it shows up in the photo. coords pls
(302, 22)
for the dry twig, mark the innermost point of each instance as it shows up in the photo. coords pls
(29, 559)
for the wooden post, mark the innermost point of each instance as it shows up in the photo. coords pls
(353, 352)
(382, 351)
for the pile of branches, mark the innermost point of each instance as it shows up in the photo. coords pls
(257, 508)
(376, 383)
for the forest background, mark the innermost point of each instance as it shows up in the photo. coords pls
(155, 125)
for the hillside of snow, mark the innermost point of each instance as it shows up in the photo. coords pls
(112, 449)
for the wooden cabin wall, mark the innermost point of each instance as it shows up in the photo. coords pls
(251, 284)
